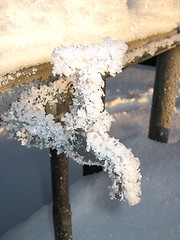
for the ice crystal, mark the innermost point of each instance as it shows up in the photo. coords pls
(82, 132)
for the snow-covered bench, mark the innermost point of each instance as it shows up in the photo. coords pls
(126, 20)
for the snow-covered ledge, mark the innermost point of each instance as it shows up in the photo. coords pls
(138, 51)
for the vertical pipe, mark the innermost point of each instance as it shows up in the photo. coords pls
(60, 174)
(60, 192)
(164, 96)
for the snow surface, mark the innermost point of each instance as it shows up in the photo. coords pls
(30, 29)
(94, 215)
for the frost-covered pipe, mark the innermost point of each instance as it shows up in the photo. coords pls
(61, 208)
(91, 118)
(87, 122)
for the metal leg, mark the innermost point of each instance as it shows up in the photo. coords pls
(164, 96)
(60, 190)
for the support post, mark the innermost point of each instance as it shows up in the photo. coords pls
(60, 192)
(164, 96)
(60, 174)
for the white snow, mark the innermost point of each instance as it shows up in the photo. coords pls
(29, 30)
(94, 215)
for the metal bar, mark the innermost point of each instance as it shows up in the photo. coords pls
(164, 96)
(60, 192)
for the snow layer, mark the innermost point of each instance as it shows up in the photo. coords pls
(29, 30)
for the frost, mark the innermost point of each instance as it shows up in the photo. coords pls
(82, 132)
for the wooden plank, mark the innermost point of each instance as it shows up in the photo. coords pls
(26, 75)
(152, 48)
(141, 42)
